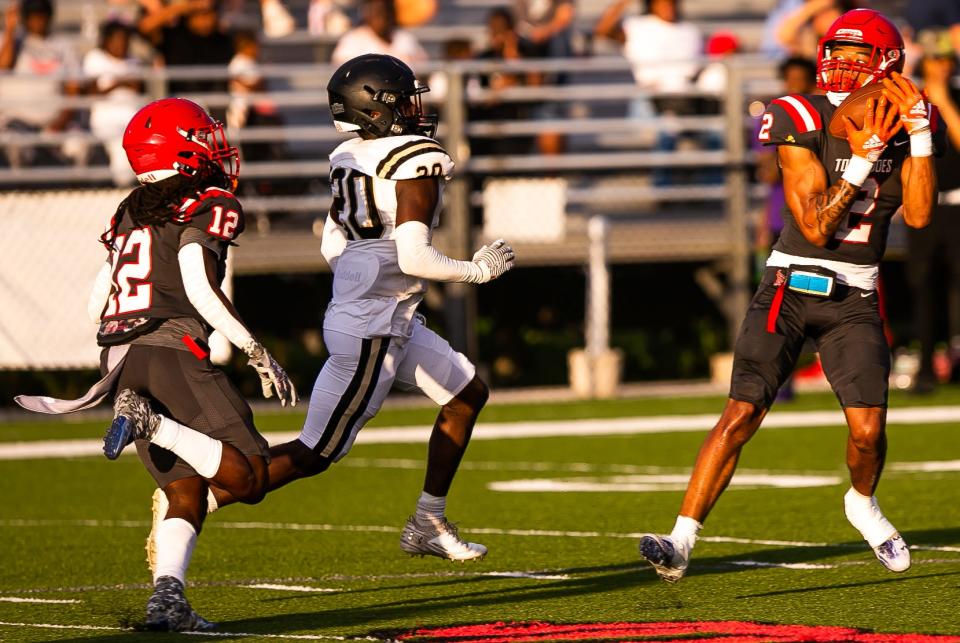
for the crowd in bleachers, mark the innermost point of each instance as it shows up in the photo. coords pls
(671, 56)
(663, 47)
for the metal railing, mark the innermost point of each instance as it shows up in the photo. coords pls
(608, 162)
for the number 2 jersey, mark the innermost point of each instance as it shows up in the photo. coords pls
(146, 285)
(802, 119)
(372, 297)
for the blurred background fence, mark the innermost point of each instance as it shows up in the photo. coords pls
(541, 144)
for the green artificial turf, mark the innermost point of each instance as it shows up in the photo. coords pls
(73, 529)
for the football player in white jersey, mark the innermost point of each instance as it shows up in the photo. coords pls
(387, 186)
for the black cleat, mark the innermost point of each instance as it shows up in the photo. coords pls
(169, 611)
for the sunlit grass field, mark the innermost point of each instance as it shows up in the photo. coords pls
(320, 558)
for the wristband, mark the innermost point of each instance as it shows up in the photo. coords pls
(858, 169)
(921, 143)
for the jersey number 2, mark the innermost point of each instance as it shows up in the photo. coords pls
(860, 211)
(131, 291)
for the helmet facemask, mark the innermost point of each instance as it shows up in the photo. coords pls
(218, 150)
(407, 109)
(843, 75)
(418, 122)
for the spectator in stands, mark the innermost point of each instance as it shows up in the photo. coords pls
(800, 30)
(379, 34)
(277, 21)
(188, 32)
(326, 18)
(246, 110)
(935, 16)
(933, 253)
(44, 67)
(114, 79)
(453, 50)
(548, 24)
(504, 43)
(663, 49)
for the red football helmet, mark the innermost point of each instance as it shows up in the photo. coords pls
(863, 27)
(176, 136)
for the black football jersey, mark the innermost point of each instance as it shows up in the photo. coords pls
(146, 280)
(802, 119)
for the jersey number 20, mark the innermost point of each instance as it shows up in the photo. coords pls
(354, 207)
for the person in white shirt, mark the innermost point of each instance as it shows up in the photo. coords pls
(114, 78)
(43, 68)
(379, 34)
(662, 48)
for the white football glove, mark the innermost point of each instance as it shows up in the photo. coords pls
(272, 376)
(494, 260)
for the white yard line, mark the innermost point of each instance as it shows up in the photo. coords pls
(54, 626)
(508, 430)
(533, 575)
(53, 601)
(256, 635)
(291, 637)
(493, 531)
(291, 588)
(804, 566)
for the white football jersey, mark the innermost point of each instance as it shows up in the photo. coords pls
(372, 297)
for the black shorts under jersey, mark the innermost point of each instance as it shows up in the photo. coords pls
(846, 329)
(194, 393)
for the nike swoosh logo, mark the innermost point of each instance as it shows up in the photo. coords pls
(866, 294)
(899, 143)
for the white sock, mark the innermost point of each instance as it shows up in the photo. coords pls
(211, 501)
(685, 532)
(200, 451)
(864, 513)
(175, 540)
(431, 508)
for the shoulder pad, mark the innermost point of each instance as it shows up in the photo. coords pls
(790, 120)
(394, 158)
(214, 211)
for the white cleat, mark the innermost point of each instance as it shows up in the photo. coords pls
(438, 539)
(159, 511)
(669, 559)
(864, 514)
(894, 554)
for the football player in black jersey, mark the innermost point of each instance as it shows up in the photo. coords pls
(820, 280)
(157, 298)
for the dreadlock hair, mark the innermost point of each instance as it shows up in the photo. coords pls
(156, 203)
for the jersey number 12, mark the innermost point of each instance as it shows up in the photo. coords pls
(131, 291)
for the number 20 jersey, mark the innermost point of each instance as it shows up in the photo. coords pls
(802, 119)
(372, 297)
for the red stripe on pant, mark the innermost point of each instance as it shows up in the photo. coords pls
(775, 308)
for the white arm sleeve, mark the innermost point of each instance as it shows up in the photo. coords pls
(205, 299)
(333, 242)
(418, 258)
(99, 294)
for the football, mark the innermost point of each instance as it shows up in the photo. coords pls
(853, 106)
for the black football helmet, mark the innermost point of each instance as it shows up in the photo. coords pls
(379, 95)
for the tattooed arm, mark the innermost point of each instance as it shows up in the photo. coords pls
(817, 208)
